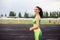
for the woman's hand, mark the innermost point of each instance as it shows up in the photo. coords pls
(31, 29)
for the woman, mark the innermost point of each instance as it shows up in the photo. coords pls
(36, 21)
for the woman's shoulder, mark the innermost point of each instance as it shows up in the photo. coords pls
(38, 17)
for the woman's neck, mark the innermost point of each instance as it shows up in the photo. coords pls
(37, 14)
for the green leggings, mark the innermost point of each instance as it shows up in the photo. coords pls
(37, 34)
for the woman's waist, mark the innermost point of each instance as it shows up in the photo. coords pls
(37, 29)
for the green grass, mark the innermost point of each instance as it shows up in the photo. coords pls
(27, 22)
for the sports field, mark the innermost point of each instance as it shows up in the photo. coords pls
(28, 21)
(18, 29)
(21, 32)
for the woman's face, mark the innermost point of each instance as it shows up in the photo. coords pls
(36, 10)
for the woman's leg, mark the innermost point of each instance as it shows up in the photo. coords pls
(40, 36)
(37, 35)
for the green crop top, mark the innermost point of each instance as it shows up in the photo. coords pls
(34, 21)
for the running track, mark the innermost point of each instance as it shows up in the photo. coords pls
(21, 32)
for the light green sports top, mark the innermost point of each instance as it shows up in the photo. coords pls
(34, 21)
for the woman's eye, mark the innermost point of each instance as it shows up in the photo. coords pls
(36, 9)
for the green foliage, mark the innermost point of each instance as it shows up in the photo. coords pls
(1, 15)
(45, 15)
(5, 15)
(26, 15)
(53, 14)
(12, 13)
(59, 14)
(19, 15)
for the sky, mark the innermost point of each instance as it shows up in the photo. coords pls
(28, 5)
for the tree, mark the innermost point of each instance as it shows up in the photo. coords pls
(59, 14)
(5, 15)
(1, 15)
(45, 14)
(12, 13)
(53, 14)
(19, 15)
(26, 15)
